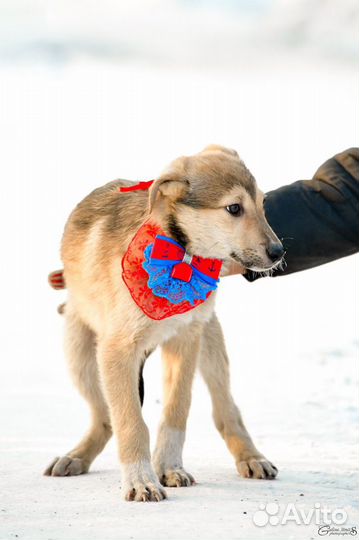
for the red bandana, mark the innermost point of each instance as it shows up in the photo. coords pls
(140, 186)
(136, 277)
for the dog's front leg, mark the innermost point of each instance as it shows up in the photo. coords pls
(214, 367)
(119, 368)
(180, 356)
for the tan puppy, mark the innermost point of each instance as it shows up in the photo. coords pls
(211, 205)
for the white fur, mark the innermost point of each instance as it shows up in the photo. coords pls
(168, 453)
(137, 475)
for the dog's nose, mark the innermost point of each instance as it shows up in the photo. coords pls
(275, 251)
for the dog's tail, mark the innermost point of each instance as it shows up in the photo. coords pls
(57, 281)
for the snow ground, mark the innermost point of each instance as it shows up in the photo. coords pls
(292, 342)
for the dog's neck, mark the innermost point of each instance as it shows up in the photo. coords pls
(167, 221)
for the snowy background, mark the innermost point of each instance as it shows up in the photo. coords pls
(91, 91)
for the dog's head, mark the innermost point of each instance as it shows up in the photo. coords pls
(211, 205)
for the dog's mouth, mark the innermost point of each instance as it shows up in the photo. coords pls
(255, 264)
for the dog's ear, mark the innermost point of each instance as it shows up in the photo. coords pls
(173, 186)
(219, 148)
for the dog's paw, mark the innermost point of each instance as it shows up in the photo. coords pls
(145, 493)
(140, 483)
(66, 466)
(256, 467)
(176, 478)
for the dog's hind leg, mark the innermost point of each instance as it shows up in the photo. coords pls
(80, 348)
(180, 356)
(214, 367)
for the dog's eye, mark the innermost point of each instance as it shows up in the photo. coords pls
(235, 209)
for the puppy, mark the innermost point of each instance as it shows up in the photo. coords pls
(210, 206)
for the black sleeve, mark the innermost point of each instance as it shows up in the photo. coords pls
(317, 220)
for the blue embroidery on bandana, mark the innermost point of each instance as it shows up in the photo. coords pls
(175, 290)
